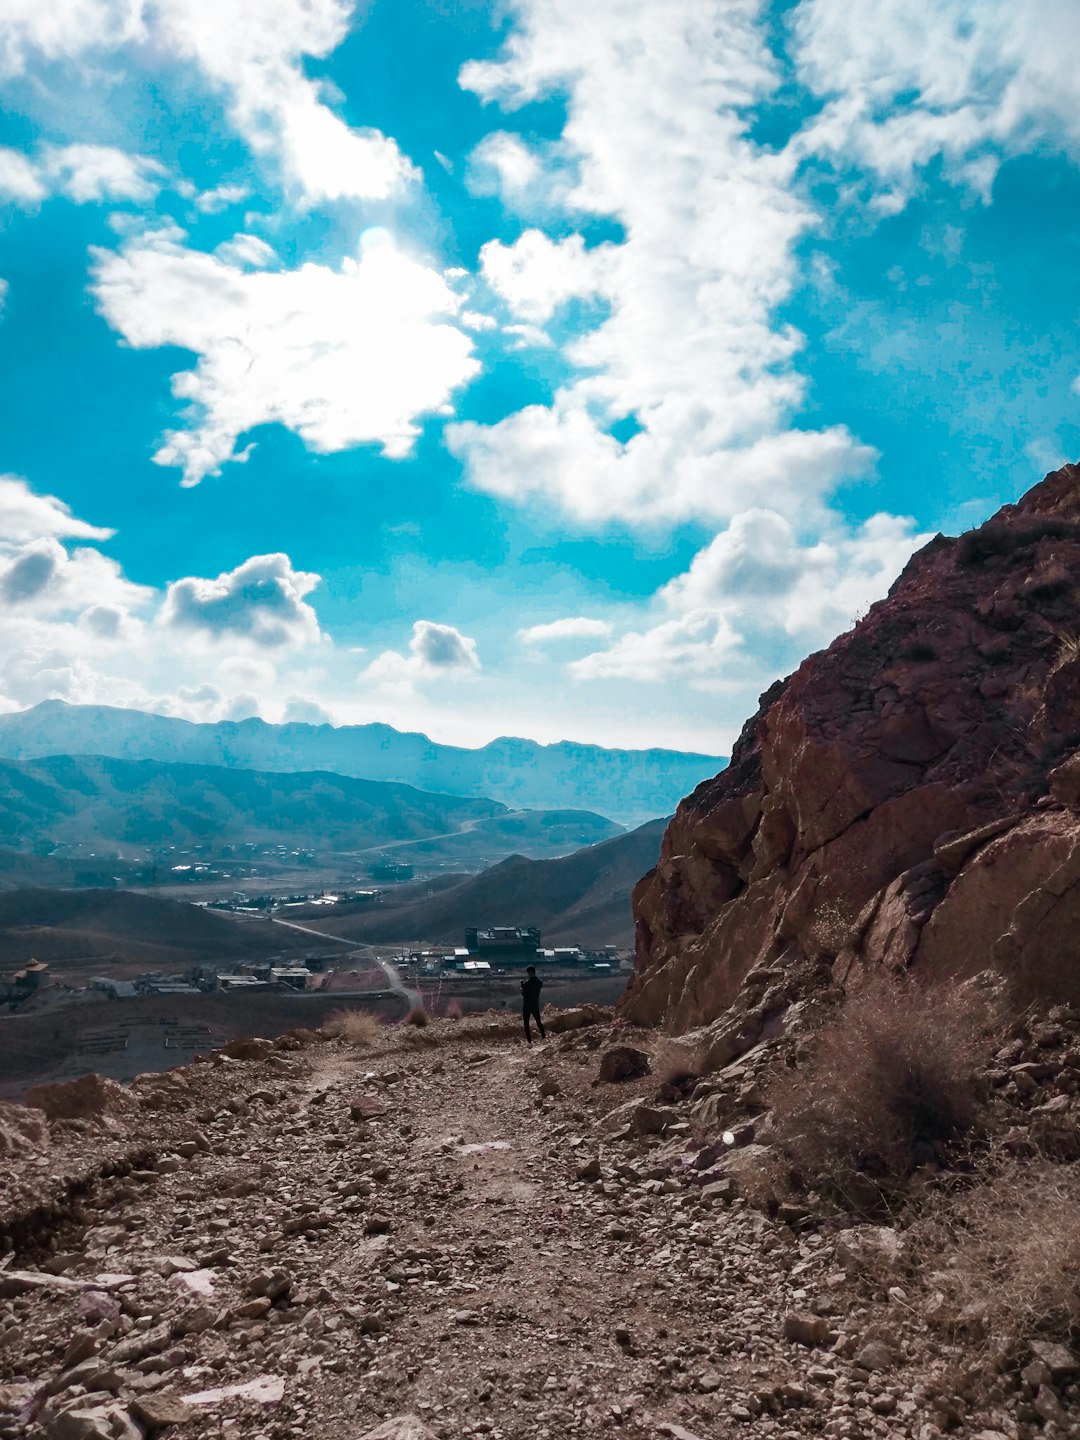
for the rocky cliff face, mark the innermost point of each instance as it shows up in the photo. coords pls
(907, 797)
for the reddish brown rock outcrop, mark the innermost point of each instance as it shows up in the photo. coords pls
(908, 796)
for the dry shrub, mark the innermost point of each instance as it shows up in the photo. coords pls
(1004, 1257)
(358, 1027)
(453, 1010)
(677, 1066)
(417, 1017)
(890, 1078)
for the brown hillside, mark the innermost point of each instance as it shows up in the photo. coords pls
(583, 897)
(907, 797)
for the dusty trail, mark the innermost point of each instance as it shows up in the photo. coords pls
(417, 1215)
(390, 970)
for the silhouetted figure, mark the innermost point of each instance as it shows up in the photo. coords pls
(530, 1002)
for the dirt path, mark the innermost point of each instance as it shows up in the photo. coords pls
(417, 1215)
(393, 974)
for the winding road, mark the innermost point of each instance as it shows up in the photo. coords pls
(389, 969)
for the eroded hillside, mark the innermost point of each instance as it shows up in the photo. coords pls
(907, 797)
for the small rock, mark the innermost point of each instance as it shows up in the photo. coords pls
(160, 1409)
(590, 1170)
(622, 1062)
(806, 1329)
(1048, 1405)
(1058, 1359)
(401, 1427)
(874, 1356)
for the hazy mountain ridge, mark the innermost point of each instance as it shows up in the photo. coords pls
(630, 786)
(95, 799)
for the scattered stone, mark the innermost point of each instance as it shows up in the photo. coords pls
(1058, 1359)
(622, 1062)
(161, 1409)
(590, 1170)
(401, 1427)
(810, 1330)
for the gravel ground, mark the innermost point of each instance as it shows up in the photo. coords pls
(453, 1227)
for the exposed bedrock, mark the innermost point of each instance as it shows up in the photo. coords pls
(909, 796)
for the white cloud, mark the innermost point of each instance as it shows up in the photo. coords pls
(19, 179)
(244, 250)
(656, 138)
(262, 600)
(82, 173)
(758, 589)
(576, 627)
(436, 652)
(4, 288)
(305, 710)
(502, 164)
(969, 80)
(692, 648)
(64, 29)
(536, 275)
(342, 357)
(26, 516)
(253, 51)
(212, 202)
(89, 173)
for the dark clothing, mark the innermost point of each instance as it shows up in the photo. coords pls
(530, 1006)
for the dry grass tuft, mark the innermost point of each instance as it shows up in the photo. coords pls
(417, 1017)
(453, 1010)
(358, 1027)
(1004, 1257)
(891, 1077)
(677, 1066)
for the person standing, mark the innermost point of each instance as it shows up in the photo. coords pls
(530, 1003)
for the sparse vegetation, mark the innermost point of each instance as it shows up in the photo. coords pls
(417, 1017)
(359, 1027)
(1003, 1259)
(890, 1079)
(453, 1010)
(677, 1066)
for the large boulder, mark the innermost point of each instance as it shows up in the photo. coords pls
(86, 1098)
(909, 796)
(22, 1130)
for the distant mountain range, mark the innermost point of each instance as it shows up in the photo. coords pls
(583, 898)
(94, 800)
(629, 786)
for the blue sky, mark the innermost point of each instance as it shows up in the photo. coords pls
(533, 368)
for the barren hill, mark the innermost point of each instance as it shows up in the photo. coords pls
(583, 897)
(908, 797)
(140, 931)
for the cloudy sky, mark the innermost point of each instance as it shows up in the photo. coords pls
(535, 367)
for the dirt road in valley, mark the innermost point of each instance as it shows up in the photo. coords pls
(389, 969)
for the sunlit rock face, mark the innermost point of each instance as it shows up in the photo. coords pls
(907, 797)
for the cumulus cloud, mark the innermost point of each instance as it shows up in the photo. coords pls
(575, 627)
(25, 515)
(536, 275)
(19, 179)
(305, 710)
(262, 601)
(656, 135)
(503, 164)
(342, 357)
(435, 652)
(82, 173)
(969, 80)
(758, 588)
(254, 52)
